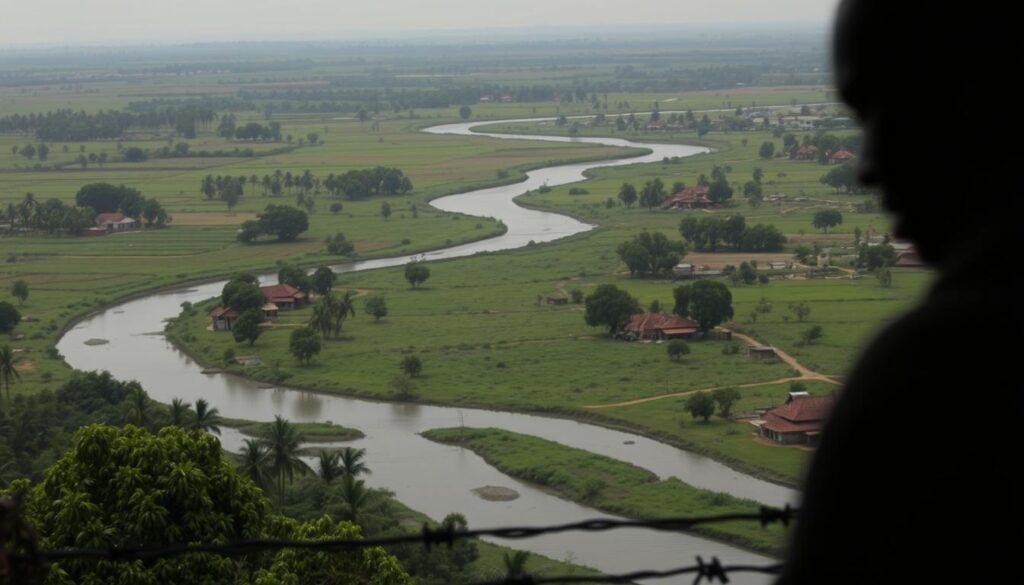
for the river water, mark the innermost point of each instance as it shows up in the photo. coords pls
(437, 479)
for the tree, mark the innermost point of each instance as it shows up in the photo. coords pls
(29, 151)
(256, 462)
(120, 487)
(876, 257)
(281, 221)
(706, 301)
(138, 408)
(611, 307)
(416, 273)
(801, 310)
(465, 112)
(385, 210)
(767, 150)
(154, 214)
(651, 253)
(700, 405)
(9, 317)
(19, 290)
(304, 344)
(412, 366)
(322, 320)
(376, 306)
(43, 152)
(827, 218)
(247, 326)
(328, 466)
(652, 194)
(339, 245)
(627, 194)
(747, 273)
(242, 295)
(725, 398)
(841, 178)
(352, 462)
(283, 440)
(179, 413)
(515, 564)
(8, 370)
(677, 348)
(323, 280)
(811, 335)
(296, 277)
(206, 419)
(135, 154)
(108, 198)
(885, 278)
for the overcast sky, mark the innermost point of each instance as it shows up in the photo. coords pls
(65, 22)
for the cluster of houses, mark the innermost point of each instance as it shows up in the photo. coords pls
(276, 297)
(811, 152)
(695, 197)
(110, 223)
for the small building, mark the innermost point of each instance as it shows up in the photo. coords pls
(799, 421)
(283, 296)
(222, 318)
(762, 352)
(557, 298)
(778, 265)
(95, 231)
(695, 197)
(683, 270)
(841, 156)
(909, 259)
(116, 222)
(659, 326)
(269, 311)
(809, 152)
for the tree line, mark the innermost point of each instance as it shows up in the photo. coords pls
(69, 125)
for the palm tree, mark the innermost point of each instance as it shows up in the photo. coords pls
(256, 462)
(352, 464)
(138, 409)
(329, 468)
(515, 564)
(206, 418)
(180, 412)
(8, 373)
(342, 307)
(322, 321)
(355, 496)
(283, 441)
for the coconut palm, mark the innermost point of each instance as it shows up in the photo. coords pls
(322, 321)
(206, 419)
(343, 306)
(329, 468)
(352, 464)
(137, 409)
(8, 373)
(256, 462)
(283, 441)
(515, 564)
(355, 496)
(180, 412)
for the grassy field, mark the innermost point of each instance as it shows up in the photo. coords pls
(612, 485)
(317, 432)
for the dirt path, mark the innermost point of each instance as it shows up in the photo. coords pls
(805, 374)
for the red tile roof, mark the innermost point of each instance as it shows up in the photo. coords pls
(694, 194)
(843, 155)
(804, 414)
(281, 293)
(224, 312)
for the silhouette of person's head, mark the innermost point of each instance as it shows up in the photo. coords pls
(917, 77)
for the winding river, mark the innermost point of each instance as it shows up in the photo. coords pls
(437, 479)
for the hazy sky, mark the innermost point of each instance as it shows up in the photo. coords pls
(65, 22)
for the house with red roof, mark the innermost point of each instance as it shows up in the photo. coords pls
(222, 318)
(809, 152)
(695, 197)
(658, 326)
(283, 295)
(799, 421)
(116, 222)
(841, 156)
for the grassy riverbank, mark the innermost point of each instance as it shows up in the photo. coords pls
(611, 485)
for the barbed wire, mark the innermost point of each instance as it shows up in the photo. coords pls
(446, 534)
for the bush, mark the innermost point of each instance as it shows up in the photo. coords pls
(578, 191)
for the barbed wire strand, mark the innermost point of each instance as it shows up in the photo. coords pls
(709, 571)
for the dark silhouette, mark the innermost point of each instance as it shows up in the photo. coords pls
(917, 476)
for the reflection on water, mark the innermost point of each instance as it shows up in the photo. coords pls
(435, 479)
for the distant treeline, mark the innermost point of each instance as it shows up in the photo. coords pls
(68, 125)
(352, 185)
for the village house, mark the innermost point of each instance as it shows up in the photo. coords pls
(797, 422)
(778, 265)
(809, 152)
(283, 296)
(695, 197)
(116, 222)
(841, 156)
(222, 318)
(659, 326)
